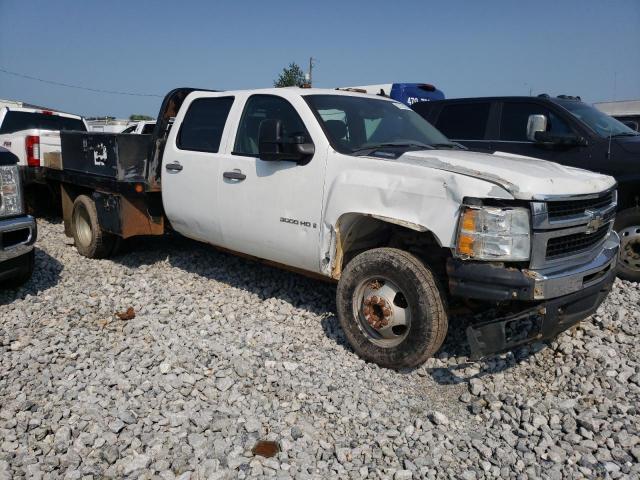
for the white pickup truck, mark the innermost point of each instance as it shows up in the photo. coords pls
(21, 128)
(363, 191)
(33, 135)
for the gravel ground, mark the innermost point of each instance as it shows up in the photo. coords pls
(223, 352)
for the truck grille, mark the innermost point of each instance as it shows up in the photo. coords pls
(576, 243)
(570, 208)
(560, 228)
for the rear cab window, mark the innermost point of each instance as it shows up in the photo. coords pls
(15, 121)
(464, 121)
(203, 124)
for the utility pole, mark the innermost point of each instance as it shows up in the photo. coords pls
(311, 59)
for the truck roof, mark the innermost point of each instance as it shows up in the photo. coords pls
(524, 98)
(296, 92)
(43, 111)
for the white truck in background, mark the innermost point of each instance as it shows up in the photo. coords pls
(142, 127)
(361, 190)
(33, 135)
(22, 130)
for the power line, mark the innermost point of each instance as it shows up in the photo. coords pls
(60, 84)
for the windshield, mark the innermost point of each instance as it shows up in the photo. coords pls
(355, 123)
(14, 121)
(600, 122)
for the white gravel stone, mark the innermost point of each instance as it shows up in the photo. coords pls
(224, 352)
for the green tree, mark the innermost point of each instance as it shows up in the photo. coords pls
(137, 117)
(292, 76)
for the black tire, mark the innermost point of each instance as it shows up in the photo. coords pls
(628, 227)
(89, 238)
(25, 271)
(423, 302)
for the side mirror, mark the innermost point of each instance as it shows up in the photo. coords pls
(272, 146)
(536, 124)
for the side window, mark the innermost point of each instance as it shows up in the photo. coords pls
(335, 120)
(202, 126)
(148, 128)
(464, 121)
(263, 107)
(513, 125)
(130, 129)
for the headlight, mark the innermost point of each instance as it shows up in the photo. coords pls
(10, 192)
(492, 233)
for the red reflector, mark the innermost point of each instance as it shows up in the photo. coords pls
(32, 145)
(47, 112)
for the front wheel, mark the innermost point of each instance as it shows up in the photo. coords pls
(391, 308)
(628, 227)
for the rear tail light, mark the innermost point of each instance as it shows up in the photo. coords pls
(32, 144)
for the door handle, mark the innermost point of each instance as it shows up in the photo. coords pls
(234, 175)
(173, 167)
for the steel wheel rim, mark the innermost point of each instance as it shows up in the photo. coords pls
(82, 225)
(382, 311)
(630, 247)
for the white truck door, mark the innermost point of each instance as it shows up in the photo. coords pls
(191, 166)
(272, 209)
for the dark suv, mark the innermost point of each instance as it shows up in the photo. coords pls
(17, 230)
(562, 129)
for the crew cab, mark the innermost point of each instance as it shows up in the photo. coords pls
(562, 129)
(363, 191)
(17, 230)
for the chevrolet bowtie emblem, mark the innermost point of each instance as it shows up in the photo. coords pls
(595, 221)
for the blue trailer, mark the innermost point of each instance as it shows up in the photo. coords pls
(407, 93)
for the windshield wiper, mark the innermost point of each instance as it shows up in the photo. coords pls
(451, 145)
(378, 146)
(625, 134)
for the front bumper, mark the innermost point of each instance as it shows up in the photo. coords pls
(486, 281)
(541, 322)
(551, 301)
(17, 236)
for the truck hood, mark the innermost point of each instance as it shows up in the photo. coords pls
(630, 144)
(526, 178)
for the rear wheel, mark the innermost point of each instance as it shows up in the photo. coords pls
(89, 238)
(628, 227)
(391, 308)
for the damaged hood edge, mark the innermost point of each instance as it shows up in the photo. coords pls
(525, 178)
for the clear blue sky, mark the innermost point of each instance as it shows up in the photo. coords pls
(466, 48)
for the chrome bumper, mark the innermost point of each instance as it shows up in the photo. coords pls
(25, 234)
(563, 282)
